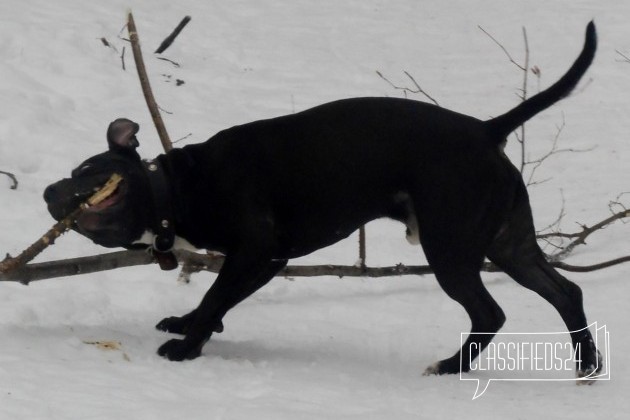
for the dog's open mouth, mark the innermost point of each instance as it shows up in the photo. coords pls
(98, 216)
(112, 199)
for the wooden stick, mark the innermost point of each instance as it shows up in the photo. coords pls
(201, 262)
(169, 39)
(146, 86)
(11, 263)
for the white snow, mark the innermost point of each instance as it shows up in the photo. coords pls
(320, 348)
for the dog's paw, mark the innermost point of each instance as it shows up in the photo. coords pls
(178, 350)
(432, 369)
(589, 363)
(587, 373)
(174, 325)
(181, 325)
(444, 367)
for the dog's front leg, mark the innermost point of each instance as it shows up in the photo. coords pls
(241, 275)
(181, 324)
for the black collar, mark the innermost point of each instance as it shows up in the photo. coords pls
(163, 225)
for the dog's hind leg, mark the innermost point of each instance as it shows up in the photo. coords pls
(516, 252)
(455, 233)
(463, 284)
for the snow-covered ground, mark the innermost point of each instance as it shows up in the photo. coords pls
(320, 348)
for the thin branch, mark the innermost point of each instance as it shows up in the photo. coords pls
(108, 44)
(146, 86)
(166, 112)
(169, 61)
(182, 138)
(503, 48)
(523, 95)
(169, 39)
(553, 226)
(362, 248)
(579, 238)
(406, 89)
(554, 147)
(626, 59)
(588, 268)
(420, 90)
(14, 181)
(525, 69)
(122, 58)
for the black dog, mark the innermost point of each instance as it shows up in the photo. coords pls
(267, 191)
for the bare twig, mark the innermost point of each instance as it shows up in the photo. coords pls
(169, 61)
(626, 59)
(146, 86)
(14, 181)
(122, 58)
(169, 39)
(579, 238)
(525, 69)
(417, 89)
(166, 112)
(588, 268)
(503, 49)
(554, 149)
(108, 44)
(182, 138)
(523, 96)
(362, 248)
(553, 227)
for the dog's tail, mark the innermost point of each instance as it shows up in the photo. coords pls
(504, 124)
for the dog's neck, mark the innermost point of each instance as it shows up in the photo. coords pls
(161, 235)
(163, 223)
(187, 200)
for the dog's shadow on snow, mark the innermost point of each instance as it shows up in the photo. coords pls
(337, 356)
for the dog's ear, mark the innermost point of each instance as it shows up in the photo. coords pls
(121, 135)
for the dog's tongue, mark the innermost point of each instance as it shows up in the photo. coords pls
(112, 199)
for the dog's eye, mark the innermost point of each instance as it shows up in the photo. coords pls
(81, 170)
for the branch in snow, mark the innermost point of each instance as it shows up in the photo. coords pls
(625, 58)
(579, 238)
(14, 180)
(122, 58)
(169, 39)
(212, 263)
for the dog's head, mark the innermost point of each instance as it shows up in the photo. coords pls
(120, 219)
